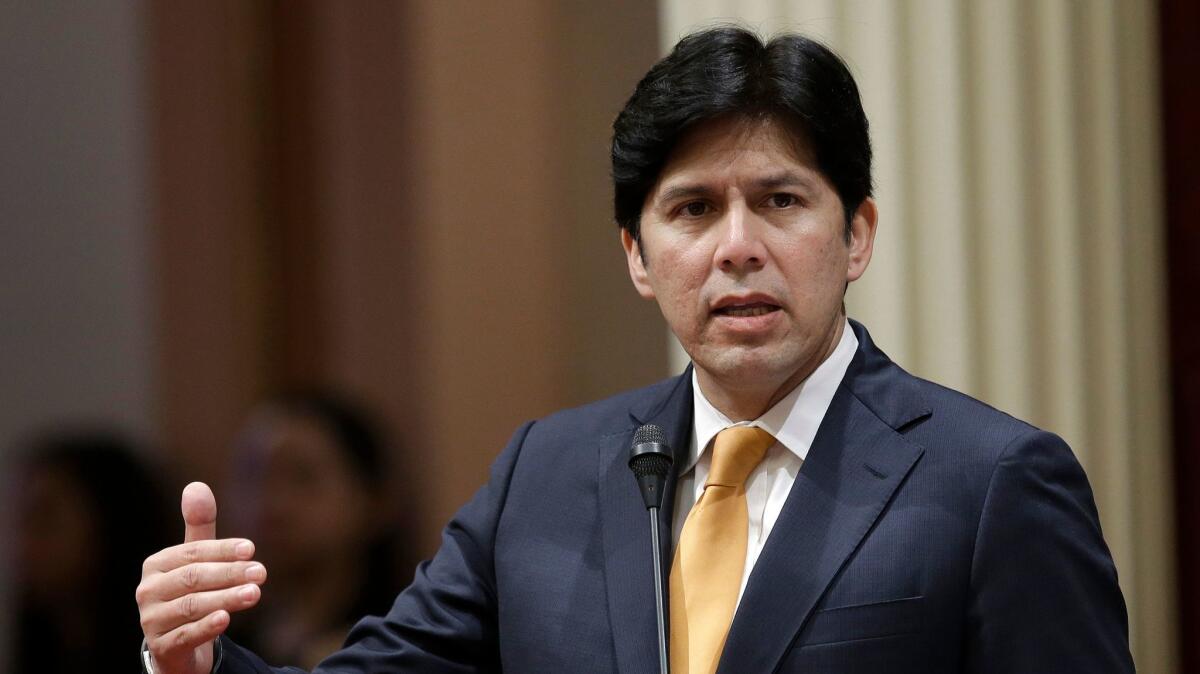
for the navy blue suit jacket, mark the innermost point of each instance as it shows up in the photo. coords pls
(926, 532)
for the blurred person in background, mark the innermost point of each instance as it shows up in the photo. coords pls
(310, 489)
(87, 511)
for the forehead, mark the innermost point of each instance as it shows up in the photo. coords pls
(765, 143)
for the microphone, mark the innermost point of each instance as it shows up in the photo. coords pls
(650, 460)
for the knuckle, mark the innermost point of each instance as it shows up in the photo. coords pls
(181, 638)
(159, 647)
(141, 594)
(190, 577)
(187, 606)
(191, 553)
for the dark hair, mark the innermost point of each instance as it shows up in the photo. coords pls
(354, 431)
(131, 518)
(730, 71)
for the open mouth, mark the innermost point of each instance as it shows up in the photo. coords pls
(746, 310)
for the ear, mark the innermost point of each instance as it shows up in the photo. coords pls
(637, 266)
(862, 238)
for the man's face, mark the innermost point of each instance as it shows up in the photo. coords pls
(743, 246)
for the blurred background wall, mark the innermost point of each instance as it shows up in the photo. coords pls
(407, 200)
(76, 278)
(76, 285)
(202, 203)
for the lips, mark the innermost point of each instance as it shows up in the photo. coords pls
(746, 310)
(746, 306)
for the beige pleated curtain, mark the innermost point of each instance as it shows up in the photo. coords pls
(1019, 255)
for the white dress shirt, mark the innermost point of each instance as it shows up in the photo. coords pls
(793, 421)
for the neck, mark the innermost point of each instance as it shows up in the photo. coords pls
(745, 398)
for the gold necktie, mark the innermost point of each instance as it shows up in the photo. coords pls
(710, 556)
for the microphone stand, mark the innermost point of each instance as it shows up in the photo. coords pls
(663, 667)
(650, 460)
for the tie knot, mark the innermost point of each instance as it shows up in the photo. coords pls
(736, 451)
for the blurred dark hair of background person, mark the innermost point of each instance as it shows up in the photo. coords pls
(311, 490)
(87, 512)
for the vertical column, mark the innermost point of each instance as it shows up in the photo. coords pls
(941, 259)
(999, 208)
(1148, 362)
(873, 49)
(614, 337)
(207, 86)
(496, 208)
(1054, 189)
(1104, 283)
(348, 274)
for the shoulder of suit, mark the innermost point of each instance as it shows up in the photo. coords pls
(965, 426)
(608, 416)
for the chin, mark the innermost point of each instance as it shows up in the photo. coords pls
(740, 364)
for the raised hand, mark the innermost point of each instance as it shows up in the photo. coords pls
(188, 591)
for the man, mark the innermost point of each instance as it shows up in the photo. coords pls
(831, 512)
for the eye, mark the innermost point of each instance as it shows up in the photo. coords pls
(693, 209)
(782, 200)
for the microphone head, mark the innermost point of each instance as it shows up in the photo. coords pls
(650, 464)
(650, 460)
(649, 433)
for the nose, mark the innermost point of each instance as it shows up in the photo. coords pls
(740, 248)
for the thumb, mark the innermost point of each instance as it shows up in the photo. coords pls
(199, 508)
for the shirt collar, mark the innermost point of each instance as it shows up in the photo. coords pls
(793, 420)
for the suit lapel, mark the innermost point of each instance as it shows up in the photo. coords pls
(857, 462)
(625, 526)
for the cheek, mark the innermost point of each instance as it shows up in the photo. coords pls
(816, 271)
(680, 283)
(831, 260)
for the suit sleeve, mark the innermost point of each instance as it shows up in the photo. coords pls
(1044, 594)
(446, 620)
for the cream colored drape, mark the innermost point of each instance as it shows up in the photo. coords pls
(1019, 255)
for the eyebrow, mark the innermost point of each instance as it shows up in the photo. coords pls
(683, 191)
(784, 179)
(769, 182)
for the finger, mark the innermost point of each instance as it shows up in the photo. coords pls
(199, 508)
(168, 616)
(224, 550)
(178, 643)
(202, 577)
